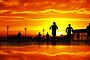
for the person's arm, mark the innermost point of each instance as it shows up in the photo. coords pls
(57, 27)
(66, 30)
(86, 27)
(17, 34)
(50, 27)
(72, 29)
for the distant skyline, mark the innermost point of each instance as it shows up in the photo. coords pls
(37, 15)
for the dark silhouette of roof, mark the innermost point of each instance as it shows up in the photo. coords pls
(80, 31)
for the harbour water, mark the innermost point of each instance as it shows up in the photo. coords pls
(45, 52)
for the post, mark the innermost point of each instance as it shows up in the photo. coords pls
(7, 31)
(25, 31)
(43, 33)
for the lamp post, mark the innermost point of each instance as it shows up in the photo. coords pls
(7, 31)
(43, 33)
(25, 31)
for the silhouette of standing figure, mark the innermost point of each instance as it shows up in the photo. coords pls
(47, 35)
(69, 30)
(39, 35)
(39, 38)
(88, 32)
(19, 36)
(54, 27)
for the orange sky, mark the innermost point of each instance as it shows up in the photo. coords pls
(39, 14)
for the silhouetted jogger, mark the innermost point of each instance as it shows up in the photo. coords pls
(69, 29)
(88, 31)
(54, 27)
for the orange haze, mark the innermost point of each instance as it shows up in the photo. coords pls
(37, 15)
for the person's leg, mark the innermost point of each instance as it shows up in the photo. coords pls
(69, 39)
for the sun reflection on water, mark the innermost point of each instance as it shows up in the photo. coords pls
(44, 52)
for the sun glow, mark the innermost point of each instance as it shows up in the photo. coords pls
(37, 25)
(62, 23)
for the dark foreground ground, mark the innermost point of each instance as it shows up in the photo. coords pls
(41, 41)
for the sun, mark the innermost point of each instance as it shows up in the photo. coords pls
(59, 33)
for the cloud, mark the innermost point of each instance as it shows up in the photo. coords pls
(35, 5)
(13, 20)
(44, 8)
(51, 11)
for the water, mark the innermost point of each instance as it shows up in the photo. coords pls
(44, 52)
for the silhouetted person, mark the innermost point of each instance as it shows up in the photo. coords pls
(69, 29)
(19, 36)
(88, 31)
(54, 27)
(47, 37)
(39, 35)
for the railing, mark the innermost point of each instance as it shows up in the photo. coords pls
(79, 34)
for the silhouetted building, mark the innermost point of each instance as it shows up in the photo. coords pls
(78, 34)
(54, 27)
(88, 31)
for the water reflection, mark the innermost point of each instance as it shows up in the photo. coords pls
(80, 43)
(57, 50)
(44, 52)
